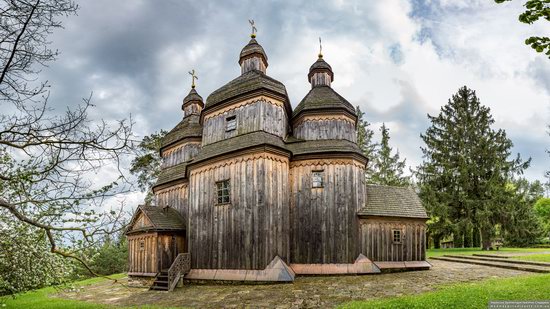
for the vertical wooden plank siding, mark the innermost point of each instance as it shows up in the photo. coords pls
(317, 129)
(256, 115)
(176, 197)
(253, 228)
(142, 260)
(376, 237)
(325, 227)
(180, 153)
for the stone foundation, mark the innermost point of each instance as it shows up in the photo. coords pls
(140, 282)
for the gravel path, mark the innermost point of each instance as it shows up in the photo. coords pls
(305, 292)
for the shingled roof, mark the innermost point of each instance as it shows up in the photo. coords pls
(193, 96)
(238, 142)
(323, 98)
(171, 173)
(161, 218)
(389, 201)
(188, 127)
(253, 47)
(247, 82)
(320, 65)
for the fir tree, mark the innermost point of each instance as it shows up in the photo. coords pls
(387, 168)
(465, 171)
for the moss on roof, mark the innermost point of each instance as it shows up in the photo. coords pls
(323, 98)
(247, 82)
(162, 219)
(188, 127)
(390, 201)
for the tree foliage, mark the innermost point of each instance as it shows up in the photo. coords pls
(48, 160)
(542, 209)
(146, 165)
(465, 171)
(535, 10)
(365, 138)
(387, 167)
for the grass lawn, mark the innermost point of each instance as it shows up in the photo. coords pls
(535, 257)
(468, 295)
(40, 298)
(470, 251)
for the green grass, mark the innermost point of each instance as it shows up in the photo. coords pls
(468, 295)
(535, 257)
(470, 251)
(41, 299)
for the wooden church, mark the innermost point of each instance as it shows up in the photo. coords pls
(254, 190)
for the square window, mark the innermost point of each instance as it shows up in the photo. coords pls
(317, 179)
(223, 188)
(230, 123)
(396, 236)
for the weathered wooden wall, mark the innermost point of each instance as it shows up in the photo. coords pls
(176, 197)
(320, 79)
(180, 153)
(142, 261)
(326, 127)
(324, 222)
(250, 231)
(253, 63)
(259, 114)
(377, 239)
(169, 246)
(193, 108)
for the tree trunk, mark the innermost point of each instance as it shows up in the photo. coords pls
(476, 239)
(458, 238)
(468, 241)
(437, 239)
(485, 239)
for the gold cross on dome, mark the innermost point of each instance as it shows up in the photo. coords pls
(254, 30)
(320, 48)
(193, 78)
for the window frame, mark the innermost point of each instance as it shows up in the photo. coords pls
(223, 187)
(393, 234)
(141, 245)
(231, 123)
(321, 183)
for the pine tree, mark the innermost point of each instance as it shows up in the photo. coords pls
(466, 168)
(387, 168)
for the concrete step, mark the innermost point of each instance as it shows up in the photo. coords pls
(498, 256)
(483, 258)
(523, 267)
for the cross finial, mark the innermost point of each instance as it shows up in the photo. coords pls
(320, 48)
(254, 30)
(193, 78)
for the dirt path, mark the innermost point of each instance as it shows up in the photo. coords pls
(305, 292)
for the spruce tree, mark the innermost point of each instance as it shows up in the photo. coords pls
(387, 168)
(465, 171)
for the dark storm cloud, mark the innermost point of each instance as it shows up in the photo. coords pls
(134, 55)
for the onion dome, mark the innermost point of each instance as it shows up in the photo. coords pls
(320, 73)
(253, 57)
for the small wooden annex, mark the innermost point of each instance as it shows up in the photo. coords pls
(264, 191)
(156, 235)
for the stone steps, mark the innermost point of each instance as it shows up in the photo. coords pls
(499, 259)
(491, 255)
(514, 266)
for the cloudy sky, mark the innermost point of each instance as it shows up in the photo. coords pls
(398, 60)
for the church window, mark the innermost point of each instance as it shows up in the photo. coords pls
(223, 188)
(141, 245)
(230, 123)
(396, 236)
(317, 179)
